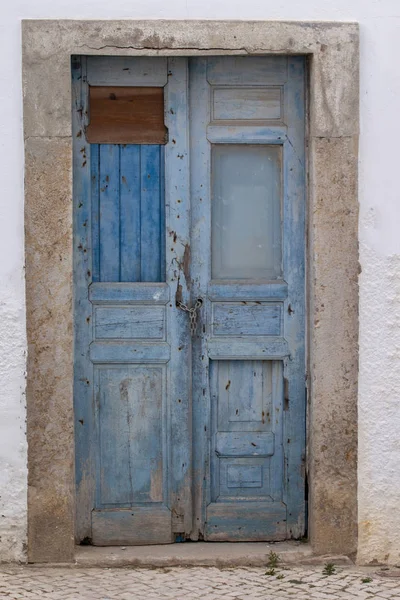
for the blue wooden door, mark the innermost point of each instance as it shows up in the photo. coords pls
(248, 246)
(132, 346)
(186, 433)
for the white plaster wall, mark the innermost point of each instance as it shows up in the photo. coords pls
(13, 471)
(379, 392)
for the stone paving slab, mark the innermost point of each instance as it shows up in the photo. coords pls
(178, 583)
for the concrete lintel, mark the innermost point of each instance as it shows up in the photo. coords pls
(48, 45)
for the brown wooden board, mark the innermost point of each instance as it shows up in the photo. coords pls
(126, 115)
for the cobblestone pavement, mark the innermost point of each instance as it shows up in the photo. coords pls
(297, 583)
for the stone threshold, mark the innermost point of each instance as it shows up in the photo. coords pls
(202, 554)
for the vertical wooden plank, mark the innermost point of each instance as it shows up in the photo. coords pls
(177, 195)
(201, 275)
(246, 404)
(109, 213)
(294, 273)
(277, 468)
(150, 212)
(163, 233)
(218, 371)
(83, 368)
(95, 209)
(130, 212)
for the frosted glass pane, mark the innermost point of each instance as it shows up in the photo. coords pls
(246, 211)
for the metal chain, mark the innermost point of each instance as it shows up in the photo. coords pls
(192, 313)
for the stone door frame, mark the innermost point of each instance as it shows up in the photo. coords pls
(332, 253)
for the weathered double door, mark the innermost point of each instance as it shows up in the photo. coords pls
(189, 192)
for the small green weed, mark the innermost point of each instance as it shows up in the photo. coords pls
(366, 580)
(273, 560)
(329, 569)
(272, 564)
(280, 576)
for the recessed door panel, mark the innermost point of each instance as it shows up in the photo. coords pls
(132, 434)
(246, 434)
(247, 103)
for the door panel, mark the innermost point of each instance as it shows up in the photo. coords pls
(131, 434)
(125, 322)
(246, 441)
(131, 466)
(252, 318)
(245, 70)
(246, 103)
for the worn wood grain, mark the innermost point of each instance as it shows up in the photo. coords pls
(246, 103)
(247, 291)
(246, 421)
(152, 226)
(177, 217)
(109, 210)
(128, 213)
(131, 431)
(232, 133)
(200, 269)
(246, 70)
(247, 319)
(238, 348)
(130, 218)
(126, 115)
(294, 208)
(244, 444)
(83, 261)
(262, 521)
(129, 352)
(126, 71)
(132, 527)
(129, 293)
(122, 322)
